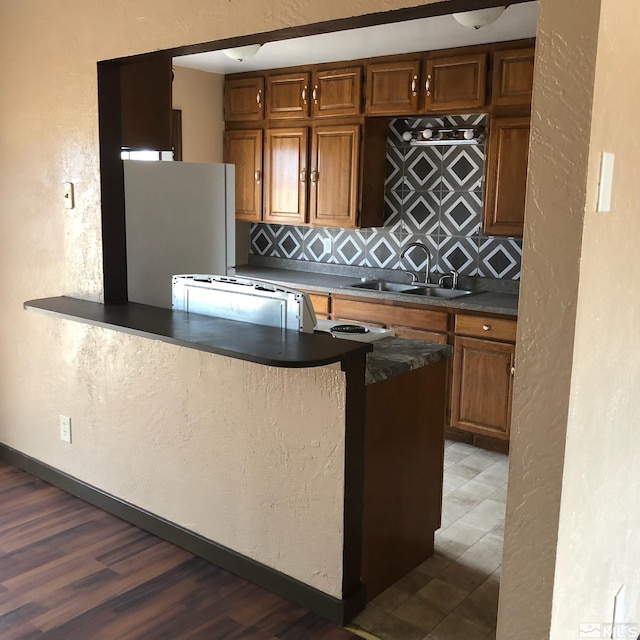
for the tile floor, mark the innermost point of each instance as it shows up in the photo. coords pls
(454, 594)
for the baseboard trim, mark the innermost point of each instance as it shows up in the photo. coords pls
(326, 606)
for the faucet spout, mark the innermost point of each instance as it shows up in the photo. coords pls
(422, 246)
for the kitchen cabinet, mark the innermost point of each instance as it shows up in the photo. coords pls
(243, 148)
(512, 77)
(456, 82)
(244, 99)
(328, 175)
(482, 375)
(285, 175)
(506, 176)
(337, 92)
(288, 96)
(392, 87)
(145, 102)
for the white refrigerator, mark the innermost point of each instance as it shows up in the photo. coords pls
(180, 218)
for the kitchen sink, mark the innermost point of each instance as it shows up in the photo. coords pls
(428, 290)
(381, 285)
(434, 291)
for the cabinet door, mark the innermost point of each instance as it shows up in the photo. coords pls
(337, 92)
(145, 100)
(392, 87)
(506, 176)
(244, 99)
(457, 82)
(482, 386)
(333, 198)
(285, 175)
(243, 149)
(512, 77)
(288, 96)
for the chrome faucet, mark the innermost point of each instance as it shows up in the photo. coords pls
(427, 270)
(453, 274)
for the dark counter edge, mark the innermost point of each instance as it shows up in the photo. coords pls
(326, 606)
(255, 343)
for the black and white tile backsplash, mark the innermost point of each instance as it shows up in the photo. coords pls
(432, 195)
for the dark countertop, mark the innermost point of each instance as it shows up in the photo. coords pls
(485, 302)
(252, 342)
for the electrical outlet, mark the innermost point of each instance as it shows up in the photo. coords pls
(65, 428)
(327, 244)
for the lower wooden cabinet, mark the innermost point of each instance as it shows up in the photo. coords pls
(482, 376)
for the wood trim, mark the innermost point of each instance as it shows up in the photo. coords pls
(333, 609)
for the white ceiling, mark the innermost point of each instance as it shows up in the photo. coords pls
(426, 34)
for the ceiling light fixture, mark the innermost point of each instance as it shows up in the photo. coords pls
(479, 18)
(242, 53)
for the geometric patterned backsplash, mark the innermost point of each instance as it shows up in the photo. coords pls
(432, 195)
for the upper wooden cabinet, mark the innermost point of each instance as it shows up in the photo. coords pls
(456, 82)
(512, 81)
(506, 176)
(243, 148)
(337, 92)
(288, 96)
(285, 175)
(145, 101)
(244, 99)
(392, 87)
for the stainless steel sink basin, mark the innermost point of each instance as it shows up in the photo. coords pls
(434, 291)
(381, 285)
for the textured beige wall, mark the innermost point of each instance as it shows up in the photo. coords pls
(598, 541)
(199, 94)
(556, 196)
(139, 406)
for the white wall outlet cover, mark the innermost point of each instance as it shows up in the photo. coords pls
(605, 185)
(68, 195)
(65, 428)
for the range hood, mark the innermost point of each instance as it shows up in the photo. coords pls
(444, 136)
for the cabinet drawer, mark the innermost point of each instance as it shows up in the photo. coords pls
(390, 315)
(320, 303)
(485, 327)
(418, 334)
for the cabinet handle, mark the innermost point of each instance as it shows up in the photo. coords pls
(314, 175)
(513, 370)
(486, 327)
(427, 85)
(258, 175)
(303, 175)
(314, 95)
(413, 86)
(304, 95)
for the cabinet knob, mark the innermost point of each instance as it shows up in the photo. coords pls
(486, 327)
(513, 370)
(259, 97)
(303, 176)
(314, 175)
(304, 95)
(427, 85)
(258, 175)
(314, 94)
(413, 86)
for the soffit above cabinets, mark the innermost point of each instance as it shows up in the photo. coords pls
(427, 34)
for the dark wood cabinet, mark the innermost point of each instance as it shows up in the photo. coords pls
(506, 176)
(512, 80)
(285, 175)
(145, 101)
(243, 148)
(455, 82)
(392, 87)
(482, 386)
(244, 99)
(288, 96)
(337, 92)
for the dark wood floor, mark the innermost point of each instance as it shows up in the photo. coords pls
(70, 571)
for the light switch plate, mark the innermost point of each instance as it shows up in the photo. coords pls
(606, 181)
(65, 428)
(68, 195)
